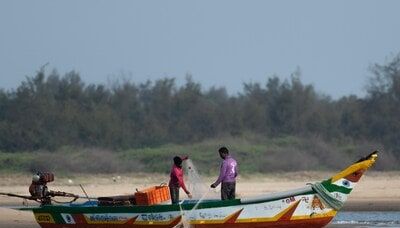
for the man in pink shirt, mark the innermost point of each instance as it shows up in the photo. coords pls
(227, 175)
(176, 180)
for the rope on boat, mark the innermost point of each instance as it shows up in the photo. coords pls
(326, 196)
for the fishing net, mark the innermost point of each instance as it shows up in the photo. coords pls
(196, 185)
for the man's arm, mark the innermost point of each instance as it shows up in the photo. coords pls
(182, 184)
(222, 174)
(180, 180)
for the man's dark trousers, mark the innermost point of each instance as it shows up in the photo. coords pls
(228, 190)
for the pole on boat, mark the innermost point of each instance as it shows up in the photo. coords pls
(83, 190)
(19, 196)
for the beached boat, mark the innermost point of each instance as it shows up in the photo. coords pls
(312, 206)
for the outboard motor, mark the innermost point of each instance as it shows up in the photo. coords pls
(38, 189)
(41, 194)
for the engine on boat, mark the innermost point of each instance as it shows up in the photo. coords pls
(38, 188)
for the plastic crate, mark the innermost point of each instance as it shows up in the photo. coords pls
(152, 195)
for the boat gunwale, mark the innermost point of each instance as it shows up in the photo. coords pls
(157, 208)
(131, 208)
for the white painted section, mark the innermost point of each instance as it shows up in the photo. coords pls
(278, 195)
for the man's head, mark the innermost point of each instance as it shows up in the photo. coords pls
(178, 161)
(223, 152)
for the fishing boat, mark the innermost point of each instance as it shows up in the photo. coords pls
(314, 205)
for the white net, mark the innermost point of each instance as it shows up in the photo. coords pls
(196, 185)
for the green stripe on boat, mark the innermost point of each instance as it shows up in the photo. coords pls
(334, 188)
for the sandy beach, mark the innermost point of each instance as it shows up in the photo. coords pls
(377, 191)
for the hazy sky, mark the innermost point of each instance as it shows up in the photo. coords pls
(221, 43)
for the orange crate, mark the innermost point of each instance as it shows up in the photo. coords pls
(152, 195)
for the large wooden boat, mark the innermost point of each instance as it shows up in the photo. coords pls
(312, 206)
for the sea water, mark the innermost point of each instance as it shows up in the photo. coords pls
(364, 219)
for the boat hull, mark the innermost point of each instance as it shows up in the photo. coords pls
(305, 223)
(295, 211)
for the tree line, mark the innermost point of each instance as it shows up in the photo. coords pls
(48, 111)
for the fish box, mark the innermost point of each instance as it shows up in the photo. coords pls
(152, 195)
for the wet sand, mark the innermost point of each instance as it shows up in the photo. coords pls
(16, 219)
(376, 191)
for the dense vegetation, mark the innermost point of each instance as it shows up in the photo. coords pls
(256, 154)
(48, 112)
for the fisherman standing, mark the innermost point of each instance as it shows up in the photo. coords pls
(227, 175)
(176, 180)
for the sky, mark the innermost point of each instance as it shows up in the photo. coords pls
(220, 43)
